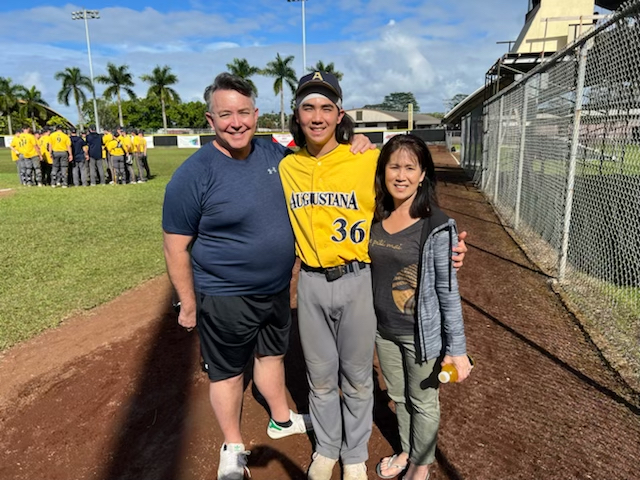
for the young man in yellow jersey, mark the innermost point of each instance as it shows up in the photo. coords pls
(107, 136)
(125, 140)
(117, 152)
(61, 154)
(30, 151)
(47, 161)
(15, 155)
(331, 199)
(139, 153)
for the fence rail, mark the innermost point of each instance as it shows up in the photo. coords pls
(558, 154)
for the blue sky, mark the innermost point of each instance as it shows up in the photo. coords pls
(433, 48)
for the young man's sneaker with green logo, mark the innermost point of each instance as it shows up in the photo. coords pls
(297, 424)
(233, 462)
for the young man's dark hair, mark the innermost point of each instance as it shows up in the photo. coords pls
(227, 81)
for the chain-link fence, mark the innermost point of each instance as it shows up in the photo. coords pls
(558, 154)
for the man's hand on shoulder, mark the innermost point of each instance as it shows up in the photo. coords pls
(460, 250)
(360, 144)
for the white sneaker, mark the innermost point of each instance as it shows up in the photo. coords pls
(300, 424)
(354, 471)
(233, 462)
(321, 467)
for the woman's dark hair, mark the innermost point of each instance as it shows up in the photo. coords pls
(426, 194)
(344, 131)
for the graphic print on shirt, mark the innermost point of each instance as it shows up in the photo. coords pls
(403, 289)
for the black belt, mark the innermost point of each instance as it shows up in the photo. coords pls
(334, 273)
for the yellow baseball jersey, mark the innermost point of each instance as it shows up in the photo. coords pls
(126, 143)
(15, 143)
(139, 144)
(115, 148)
(27, 145)
(106, 138)
(44, 142)
(331, 200)
(60, 141)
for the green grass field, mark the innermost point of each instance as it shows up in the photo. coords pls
(66, 250)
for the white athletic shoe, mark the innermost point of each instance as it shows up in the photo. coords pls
(321, 467)
(354, 471)
(233, 462)
(300, 424)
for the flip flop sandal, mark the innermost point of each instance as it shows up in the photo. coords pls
(390, 464)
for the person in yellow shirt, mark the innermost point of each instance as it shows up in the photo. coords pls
(140, 152)
(47, 161)
(15, 155)
(60, 144)
(117, 151)
(107, 136)
(331, 198)
(125, 139)
(30, 150)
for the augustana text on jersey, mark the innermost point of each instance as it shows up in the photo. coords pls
(326, 199)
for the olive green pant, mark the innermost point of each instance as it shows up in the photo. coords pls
(413, 386)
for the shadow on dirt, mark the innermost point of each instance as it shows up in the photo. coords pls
(149, 442)
(630, 405)
(263, 455)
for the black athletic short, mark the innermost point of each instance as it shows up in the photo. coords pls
(232, 329)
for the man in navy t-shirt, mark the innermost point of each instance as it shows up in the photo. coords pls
(229, 250)
(79, 159)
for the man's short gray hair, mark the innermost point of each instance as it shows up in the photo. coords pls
(227, 81)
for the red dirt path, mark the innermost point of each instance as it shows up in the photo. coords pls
(116, 393)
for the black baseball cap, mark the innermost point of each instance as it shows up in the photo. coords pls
(322, 83)
(73, 130)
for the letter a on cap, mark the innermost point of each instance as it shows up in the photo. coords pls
(317, 76)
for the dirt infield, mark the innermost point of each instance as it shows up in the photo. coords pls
(117, 393)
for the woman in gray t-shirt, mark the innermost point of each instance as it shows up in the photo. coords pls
(416, 299)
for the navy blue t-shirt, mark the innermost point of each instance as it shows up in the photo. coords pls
(237, 213)
(77, 145)
(94, 140)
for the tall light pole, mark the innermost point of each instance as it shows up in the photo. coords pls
(304, 38)
(85, 15)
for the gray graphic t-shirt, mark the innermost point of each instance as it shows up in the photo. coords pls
(394, 262)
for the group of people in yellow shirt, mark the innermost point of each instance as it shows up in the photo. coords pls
(44, 157)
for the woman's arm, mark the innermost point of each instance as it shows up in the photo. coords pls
(446, 286)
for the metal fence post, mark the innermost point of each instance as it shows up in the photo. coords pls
(497, 172)
(485, 145)
(577, 115)
(523, 133)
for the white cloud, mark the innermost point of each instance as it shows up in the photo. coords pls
(433, 49)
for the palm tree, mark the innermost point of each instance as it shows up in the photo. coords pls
(73, 82)
(240, 68)
(281, 69)
(119, 79)
(33, 104)
(329, 68)
(160, 79)
(9, 95)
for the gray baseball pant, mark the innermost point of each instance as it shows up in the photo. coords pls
(140, 163)
(60, 168)
(96, 171)
(337, 326)
(29, 165)
(118, 166)
(79, 173)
